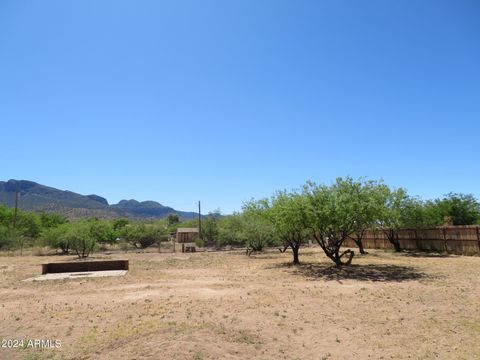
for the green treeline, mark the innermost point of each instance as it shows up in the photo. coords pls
(325, 214)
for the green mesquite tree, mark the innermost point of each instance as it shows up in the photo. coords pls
(287, 213)
(333, 216)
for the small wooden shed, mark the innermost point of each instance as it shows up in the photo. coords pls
(187, 235)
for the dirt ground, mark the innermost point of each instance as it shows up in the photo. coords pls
(226, 305)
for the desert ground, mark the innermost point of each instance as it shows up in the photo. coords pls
(225, 305)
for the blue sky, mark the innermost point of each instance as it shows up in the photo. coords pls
(222, 101)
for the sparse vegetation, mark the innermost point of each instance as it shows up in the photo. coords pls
(223, 303)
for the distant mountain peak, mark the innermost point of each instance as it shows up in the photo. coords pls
(128, 202)
(98, 198)
(13, 185)
(37, 197)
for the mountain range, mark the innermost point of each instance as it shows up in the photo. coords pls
(37, 197)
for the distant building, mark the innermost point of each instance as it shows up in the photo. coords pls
(187, 235)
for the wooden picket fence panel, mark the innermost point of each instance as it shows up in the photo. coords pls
(462, 240)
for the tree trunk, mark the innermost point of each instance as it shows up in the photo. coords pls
(392, 236)
(351, 255)
(295, 255)
(445, 246)
(333, 251)
(358, 241)
(337, 258)
(397, 247)
(360, 246)
(397, 243)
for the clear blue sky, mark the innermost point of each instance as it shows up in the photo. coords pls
(176, 101)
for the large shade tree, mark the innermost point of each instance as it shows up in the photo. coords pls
(367, 201)
(396, 205)
(332, 216)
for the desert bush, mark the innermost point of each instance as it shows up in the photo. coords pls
(7, 238)
(231, 230)
(210, 228)
(51, 220)
(102, 231)
(80, 239)
(173, 219)
(142, 235)
(28, 224)
(56, 238)
(119, 224)
(12, 239)
(258, 231)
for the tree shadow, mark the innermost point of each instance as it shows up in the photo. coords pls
(425, 254)
(264, 255)
(369, 272)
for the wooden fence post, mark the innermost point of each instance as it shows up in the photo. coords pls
(445, 240)
(478, 238)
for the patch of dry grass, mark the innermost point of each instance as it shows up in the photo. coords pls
(230, 306)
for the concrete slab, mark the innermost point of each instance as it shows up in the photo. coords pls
(76, 275)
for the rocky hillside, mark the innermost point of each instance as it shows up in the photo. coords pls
(37, 197)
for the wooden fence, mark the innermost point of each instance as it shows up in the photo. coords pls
(462, 240)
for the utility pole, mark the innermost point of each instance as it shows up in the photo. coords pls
(199, 220)
(16, 208)
(17, 192)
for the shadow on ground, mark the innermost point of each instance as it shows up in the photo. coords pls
(425, 254)
(272, 253)
(370, 272)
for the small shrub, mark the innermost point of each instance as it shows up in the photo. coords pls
(56, 238)
(80, 239)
